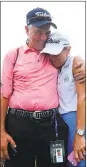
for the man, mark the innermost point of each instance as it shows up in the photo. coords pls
(28, 88)
(71, 94)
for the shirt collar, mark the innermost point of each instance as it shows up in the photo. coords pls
(27, 49)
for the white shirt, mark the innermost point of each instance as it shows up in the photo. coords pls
(66, 88)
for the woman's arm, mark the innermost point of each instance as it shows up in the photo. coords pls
(79, 141)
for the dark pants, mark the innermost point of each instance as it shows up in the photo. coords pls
(32, 138)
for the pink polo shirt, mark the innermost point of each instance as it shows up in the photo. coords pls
(31, 84)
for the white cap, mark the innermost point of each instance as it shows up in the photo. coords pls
(55, 44)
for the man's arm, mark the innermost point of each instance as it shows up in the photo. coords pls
(4, 107)
(6, 92)
(79, 141)
(5, 137)
(79, 70)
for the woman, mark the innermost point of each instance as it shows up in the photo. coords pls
(71, 94)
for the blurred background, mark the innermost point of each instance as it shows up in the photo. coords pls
(69, 17)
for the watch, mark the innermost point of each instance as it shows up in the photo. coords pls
(80, 132)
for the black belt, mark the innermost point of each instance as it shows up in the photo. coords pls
(29, 114)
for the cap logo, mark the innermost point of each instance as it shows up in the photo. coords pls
(50, 40)
(42, 14)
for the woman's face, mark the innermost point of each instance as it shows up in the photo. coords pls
(59, 60)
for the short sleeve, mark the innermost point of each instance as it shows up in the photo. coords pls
(7, 73)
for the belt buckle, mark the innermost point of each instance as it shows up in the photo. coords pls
(35, 116)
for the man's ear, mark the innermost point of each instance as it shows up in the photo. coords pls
(27, 30)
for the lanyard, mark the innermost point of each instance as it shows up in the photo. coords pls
(55, 121)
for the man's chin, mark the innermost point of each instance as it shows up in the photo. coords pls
(40, 47)
(55, 66)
